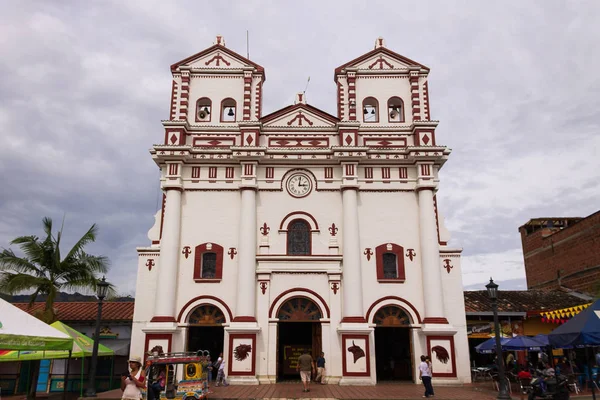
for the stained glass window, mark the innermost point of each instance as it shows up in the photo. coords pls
(209, 265)
(390, 266)
(298, 238)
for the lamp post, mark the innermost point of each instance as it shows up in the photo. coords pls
(102, 288)
(492, 290)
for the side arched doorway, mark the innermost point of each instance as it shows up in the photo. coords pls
(393, 346)
(205, 330)
(298, 330)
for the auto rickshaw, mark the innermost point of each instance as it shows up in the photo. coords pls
(184, 378)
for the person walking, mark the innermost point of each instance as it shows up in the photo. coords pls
(221, 379)
(305, 366)
(425, 376)
(321, 369)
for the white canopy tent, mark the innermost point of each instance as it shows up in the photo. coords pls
(20, 331)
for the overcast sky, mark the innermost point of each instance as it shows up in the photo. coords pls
(514, 84)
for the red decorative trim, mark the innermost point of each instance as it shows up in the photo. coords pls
(263, 286)
(369, 174)
(385, 173)
(173, 105)
(161, 318)
(400, 299)
(264, 230)
(435, 320)
(223, 49)
(335, 286)
(447, 265)
(269, 172)
(453, 358)
(328, 172)
(195, 172)
(333, 230)
(360, 320)
(297, 141)
(150, 264)
(218, 300)
(383, 50)
(403, 172)
(300, 290)
(396, 250)
(300, 117)
(199, 251)
(410, 253)
(252, 337)
(381, 61)
(157, 336)
(345, 351)
(294, 213)
(232, 252)
(426, 100)
(156, 242)
(368, 253)
(244, 318)
(296, 107)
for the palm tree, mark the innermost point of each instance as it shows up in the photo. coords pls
(42, 271)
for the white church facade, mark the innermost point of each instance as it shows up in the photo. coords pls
(301, 230)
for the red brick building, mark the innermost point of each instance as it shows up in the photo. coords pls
(562, 253)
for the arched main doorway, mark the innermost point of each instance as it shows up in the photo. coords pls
(205, 330)
(393, 347)
(298, 330)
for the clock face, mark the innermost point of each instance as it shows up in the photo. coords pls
(299, 185)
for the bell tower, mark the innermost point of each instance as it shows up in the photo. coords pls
(214, 89)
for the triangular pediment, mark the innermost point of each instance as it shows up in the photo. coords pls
(299, 116)
(380, 59)
(217, 57)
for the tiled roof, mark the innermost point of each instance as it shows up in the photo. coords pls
(86, 311)
(528, 301)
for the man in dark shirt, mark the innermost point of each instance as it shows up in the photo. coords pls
(305, 366)
(321, 369)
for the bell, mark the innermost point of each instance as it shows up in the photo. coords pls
(206, 110)
(365, 111)
(373, 111)
(231, 113)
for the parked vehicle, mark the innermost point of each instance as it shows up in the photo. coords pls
(549, 387)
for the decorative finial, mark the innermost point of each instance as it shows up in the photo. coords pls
(220, 40)
(379, 42)
(300, 98)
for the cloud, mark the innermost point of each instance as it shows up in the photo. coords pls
(85, 86)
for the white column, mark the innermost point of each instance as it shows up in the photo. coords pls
(430, 256)
(351, 275)
(168, 268)
(246, 284)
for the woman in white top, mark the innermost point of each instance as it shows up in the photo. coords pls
(131, 384)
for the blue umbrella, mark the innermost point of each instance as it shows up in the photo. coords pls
(543, 339)
(522, 343)
(583, 330)
(489, 346)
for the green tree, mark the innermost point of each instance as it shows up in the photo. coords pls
(42, 271)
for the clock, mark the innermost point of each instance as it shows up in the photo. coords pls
(299, 185)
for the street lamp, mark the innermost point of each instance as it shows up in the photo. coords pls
(492, 290)
(102, 289)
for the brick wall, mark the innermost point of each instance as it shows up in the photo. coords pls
(571, 253)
